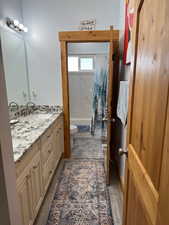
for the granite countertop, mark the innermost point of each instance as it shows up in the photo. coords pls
(28, 130)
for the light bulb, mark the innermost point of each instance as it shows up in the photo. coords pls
(25, 29)
(21, 26)
(16, 23)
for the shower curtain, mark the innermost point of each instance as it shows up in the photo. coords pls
(99, 100)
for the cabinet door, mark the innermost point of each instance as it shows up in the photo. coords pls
(58, 142)
(48, 170)
(62, 138)
(36, 183)
(25, 199)
(56, 146)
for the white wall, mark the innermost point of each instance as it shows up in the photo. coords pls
(88, 48)
(44, 19)
(81, 83)
(10, 8)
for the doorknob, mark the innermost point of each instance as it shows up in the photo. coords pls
(109, 120)
(123, 152)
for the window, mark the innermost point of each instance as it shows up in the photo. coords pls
(86, 63)
(73, 64)
(80, 63)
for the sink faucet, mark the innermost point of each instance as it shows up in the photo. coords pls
(30, 107)
(32, 104)
(11, 104)
(13, 110)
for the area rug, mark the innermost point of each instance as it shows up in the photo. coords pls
(81, 196)
(87, 148)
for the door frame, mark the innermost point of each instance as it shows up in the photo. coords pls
(111, 36)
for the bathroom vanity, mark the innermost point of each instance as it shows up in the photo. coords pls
(38, 144)
(36, 127)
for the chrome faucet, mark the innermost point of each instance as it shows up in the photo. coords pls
(30, 106)
(11, 104)
(14, 110)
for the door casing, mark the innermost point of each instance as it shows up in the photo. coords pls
(111, 36)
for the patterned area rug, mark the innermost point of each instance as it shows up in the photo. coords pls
(81, 196)
(87, 147)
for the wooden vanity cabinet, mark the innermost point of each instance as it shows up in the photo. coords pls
(29, 187)
(58, 141)
(48, 170)
(24, 194)
(35, 170)
(36, 184)
(53, 151)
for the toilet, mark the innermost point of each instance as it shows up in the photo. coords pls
(73, 131)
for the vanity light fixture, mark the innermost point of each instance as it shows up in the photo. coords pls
(15, 25)
(25, 29)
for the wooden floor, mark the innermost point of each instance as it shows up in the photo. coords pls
(116, 198)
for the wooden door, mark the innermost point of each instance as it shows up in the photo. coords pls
(112, 96)
(148, 112)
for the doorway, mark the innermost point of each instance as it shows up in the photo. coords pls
(111, 37)
(88, 82)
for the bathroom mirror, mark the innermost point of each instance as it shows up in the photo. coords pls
(15, 66)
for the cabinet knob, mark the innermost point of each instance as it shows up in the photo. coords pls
(109, 120)
(35, 167)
